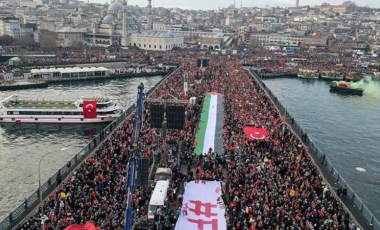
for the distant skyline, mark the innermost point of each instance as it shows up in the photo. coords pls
(215, 4)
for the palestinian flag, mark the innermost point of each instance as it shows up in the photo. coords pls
(210, 130)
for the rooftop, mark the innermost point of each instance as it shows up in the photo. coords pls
(15, 103)
(68, 70)
(24, 104)
(161, 34)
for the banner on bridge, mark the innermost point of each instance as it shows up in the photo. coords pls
(210, 130)
(202, 207)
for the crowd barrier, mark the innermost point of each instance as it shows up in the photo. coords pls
(351, 195)
(31, 203)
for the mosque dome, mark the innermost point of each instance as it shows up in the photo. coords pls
(108, 19)
(115, 7)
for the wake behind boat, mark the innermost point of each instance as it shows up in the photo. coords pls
(81, 111)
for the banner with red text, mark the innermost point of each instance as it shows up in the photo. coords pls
(202, 207)
(87, 226)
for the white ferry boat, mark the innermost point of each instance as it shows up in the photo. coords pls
(331, 75)
(81, 111)
(308, 74)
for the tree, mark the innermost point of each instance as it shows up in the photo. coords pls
(6, 40)
(48, 40)
(253, 42)
(78, 45)
(349, 3)
(25, 41)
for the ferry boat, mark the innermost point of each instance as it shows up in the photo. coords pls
(81, 111)
(331, 75)
(353, 76)
(308, 74)
(345, 87)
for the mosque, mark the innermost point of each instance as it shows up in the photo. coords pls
(117, 28)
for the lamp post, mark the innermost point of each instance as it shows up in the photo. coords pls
(39, 183)
(286, 105)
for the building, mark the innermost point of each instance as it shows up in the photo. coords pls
(67, 37)
(11, 27)
(278, 39)
(30, 3)
(50, 25)
(160, 26)
(212, 41)
(244, 34)
(157, 40)
(115, 28)
(335, 8)
(315, 42)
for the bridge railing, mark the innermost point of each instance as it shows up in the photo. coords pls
(51, 184)
(351, 195)
(30, 204)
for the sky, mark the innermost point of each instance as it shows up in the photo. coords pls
(215, 4)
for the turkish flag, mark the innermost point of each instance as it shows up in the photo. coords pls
(87, 226)
(89, 109)
(253, 133)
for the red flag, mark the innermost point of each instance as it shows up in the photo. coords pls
(253, 133)
(87, 226)
(89, 109)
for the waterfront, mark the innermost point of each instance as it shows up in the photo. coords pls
(344, 127)
(22, 146)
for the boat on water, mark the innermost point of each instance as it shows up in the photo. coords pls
(331, 75)
(353, 76)
(81, 111)
(346, 88)
(308, 74)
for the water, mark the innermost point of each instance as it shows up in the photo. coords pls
(22, 146)
(344, 127)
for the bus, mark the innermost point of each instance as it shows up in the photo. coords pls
(157, 200)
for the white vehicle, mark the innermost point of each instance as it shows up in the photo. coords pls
(81, 111)
(158, 197)
(163, 174)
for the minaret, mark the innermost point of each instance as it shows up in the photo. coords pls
(297, 3)
(124, 36)
(150, 23)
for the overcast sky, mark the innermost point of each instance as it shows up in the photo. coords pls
(215, 4)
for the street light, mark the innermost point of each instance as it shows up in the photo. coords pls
(286, 105)
(39, 183)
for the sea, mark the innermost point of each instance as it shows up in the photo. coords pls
(344, 127)
(22, 146)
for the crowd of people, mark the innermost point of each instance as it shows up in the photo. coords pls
(267, 184)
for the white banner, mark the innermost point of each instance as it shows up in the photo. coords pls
(185, 86)
(202, 207)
